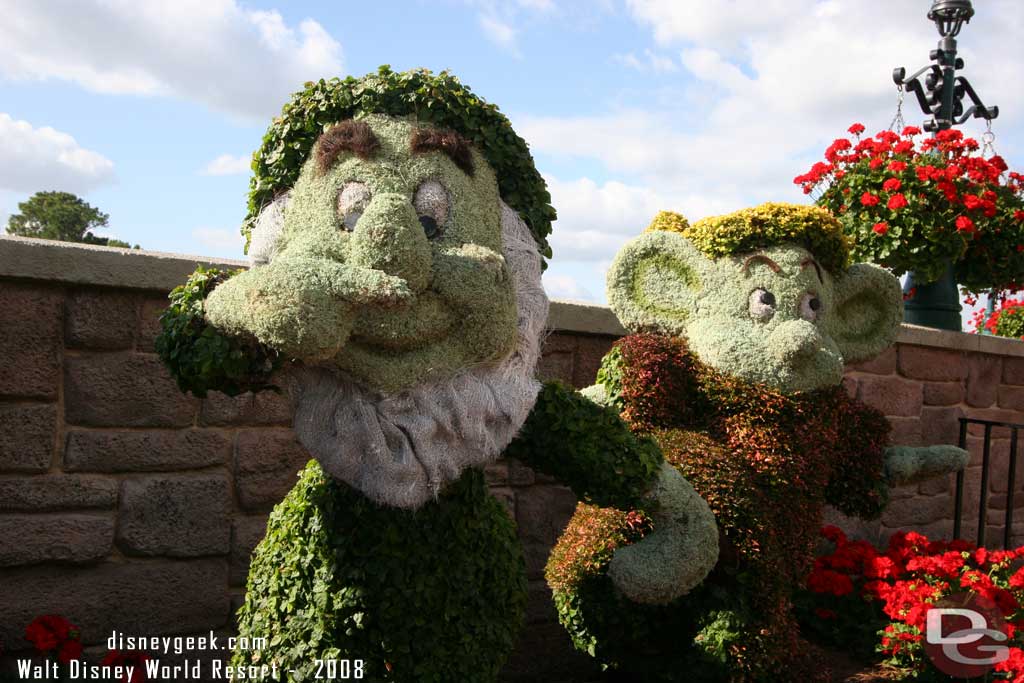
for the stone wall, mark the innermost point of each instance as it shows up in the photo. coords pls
(126, 505)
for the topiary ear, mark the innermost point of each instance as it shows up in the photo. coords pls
(654, 281)
(867, 312)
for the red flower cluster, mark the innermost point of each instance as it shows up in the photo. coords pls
(1005, 321)
(906, 580)
(55, 633)
(940, 201)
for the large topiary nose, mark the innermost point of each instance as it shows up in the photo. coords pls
(389, 237)
(794, 340)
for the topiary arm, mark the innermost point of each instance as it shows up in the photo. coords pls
(911, 464)
(587, 447)
(201, 358)
(592, 450)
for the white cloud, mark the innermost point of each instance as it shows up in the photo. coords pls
(559, 286)
(650, 62)
(214, 52)
(498, 31)
(226, 164)
(219, 242)
(35, 159)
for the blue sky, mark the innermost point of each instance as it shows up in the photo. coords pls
(149, 110)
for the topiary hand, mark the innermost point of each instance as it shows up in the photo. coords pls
(909, 464)
(304, 307)
(677, 554)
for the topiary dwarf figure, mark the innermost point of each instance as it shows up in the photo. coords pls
(398, 224)
(741, 325)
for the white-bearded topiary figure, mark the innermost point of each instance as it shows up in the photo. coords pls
(397, 258)
(741, 326)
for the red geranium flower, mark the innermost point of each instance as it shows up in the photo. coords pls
(964, 224)
(856, 129)
(897, 201)
(892, 184)
(868, 199)
(49, 631)
(881, 227)
(70, 649)
(897, 166)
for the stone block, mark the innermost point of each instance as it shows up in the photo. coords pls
(541, 514)
(57, 492)
(940, 424)
(27, 437)
(1012, 398)
(590, 350)
(246, 533)
(519, 474)
(99, 319)
(496, 473)
(1013, 370)
(943, 393)
(906, 431)
(150, 310)
(933, 364)
(905, 512)
(556, 365)
(259, 409)
(936, 486)
(544, 652)
(31, 342)
(267, 463)
(145, 450)
(175, 515)
(540, 608)
(123, 390)
(160, 597)
(882, 364)
(893, 396)
(559, 342)
(983, 375)
(28, 539)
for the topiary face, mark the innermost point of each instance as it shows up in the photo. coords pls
(389, 264)
(773, 315)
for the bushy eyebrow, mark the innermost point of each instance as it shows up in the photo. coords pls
(450, 143)
(809, 261)
(761, 258)
(348, 136)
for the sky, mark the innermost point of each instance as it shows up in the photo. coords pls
(150, 110)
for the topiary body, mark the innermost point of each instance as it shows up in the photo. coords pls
(433, 595)
(742, 324)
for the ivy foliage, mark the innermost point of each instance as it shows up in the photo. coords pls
(438, 99)
(771, 224)
(198, 356)
(587, 447)
(432, 595)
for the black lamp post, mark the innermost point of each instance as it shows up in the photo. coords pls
(937, 304)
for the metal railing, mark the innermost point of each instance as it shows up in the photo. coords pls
(986, 455)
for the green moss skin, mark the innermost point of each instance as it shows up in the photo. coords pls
(432, 596)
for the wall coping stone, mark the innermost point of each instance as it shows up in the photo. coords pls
(86, 264)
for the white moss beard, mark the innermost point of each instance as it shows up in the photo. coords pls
(401, 449)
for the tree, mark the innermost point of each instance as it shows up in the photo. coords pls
(60, 216)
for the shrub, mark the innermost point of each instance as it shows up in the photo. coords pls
(199, 357)
(1005, 321)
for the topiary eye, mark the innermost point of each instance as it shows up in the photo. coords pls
(432, 203)
(352, 201)
(762, 305)
(810, 307)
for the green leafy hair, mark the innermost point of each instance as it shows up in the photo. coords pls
(438, 99)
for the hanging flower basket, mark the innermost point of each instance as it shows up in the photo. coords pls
(925, 205)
